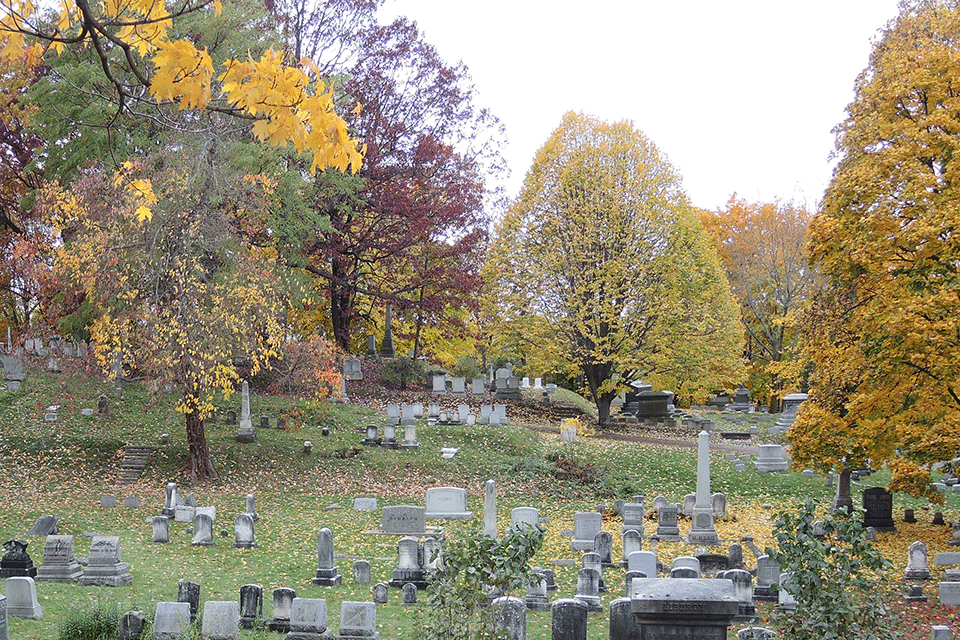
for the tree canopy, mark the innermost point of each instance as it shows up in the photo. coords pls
(603, 259)
(886, 241)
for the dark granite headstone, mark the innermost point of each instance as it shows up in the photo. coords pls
(132, 626)
(189, 592)
(16, 562)
(694, 608)
(878, 503)
(44, 526)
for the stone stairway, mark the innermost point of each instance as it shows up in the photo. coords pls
(135, 460)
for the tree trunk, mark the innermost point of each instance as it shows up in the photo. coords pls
(201, 465)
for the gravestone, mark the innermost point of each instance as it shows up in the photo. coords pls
(490, 509)
(586, 525)
(878, 503)
(171, 621)
(386, 345)
(250, 507)
(221, 620)
(511, 617)
(184, 513)
(940, 632)
(569, 619)
(524, 516)
(408, 596)
(243, 532)
(189, 593)
(16, 562)
(478, 387)
(44, 526)
(358, 620)
(950, 593)
(568, 430)
(603, 547)
(364, 504)
(439, 385)
(633, 515)
(132, 626)
(917, 568)
(246, 432)
(108, 502)
(371, 439)
(403, 520)
(791, 404)
(623, 624)
(308, 619)
(59, 563)
(448, 503)
(588, 589)
(352, 369)
(361, 572)
(410, 436)
(770, 459)
(702, 531)
(536, 598)
(632, 542)
(459, 386)
(756, 633)
(409, 564)
(389, 440)
(282, 605)
(743, 587)
(643, 561)
(251, 605)
(668, 529)
(697, 608)
(202, 531)
(22, 600)
(371, 347)
(131, 502)
(327, 574)
(104, 568)
(591, 560)
(768, 577)
(381, 591)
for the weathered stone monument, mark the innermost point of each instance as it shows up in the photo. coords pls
(59, 563)
(702, 531)
(246, 431)
(327, 574)
(16, 562)
(694, 608)
(105, 569)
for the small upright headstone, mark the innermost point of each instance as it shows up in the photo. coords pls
(22, 600)
(361, 572)
(327, 574)
(221, 620)
(243, 532)
(569, 619)
(586, 525)
(917, 567)
(878, 503)
(282, 605)
(380, 593)
(251, 605)
(768, 577)
(189, 594)
(202, 530)
(132, 626)
(44, 526)
(358, 620)
(308, 619)
(409, 595)
(490, 509)
(511, 615)
(668, 528)
(171, 620)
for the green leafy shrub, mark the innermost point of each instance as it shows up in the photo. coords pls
(94, 621)
(474, 568)
(467, 367)
(836, 580)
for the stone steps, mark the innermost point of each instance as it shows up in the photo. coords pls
(135, 460)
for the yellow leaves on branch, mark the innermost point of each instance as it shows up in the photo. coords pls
(141, 189)
(288, 103)
(286, 111)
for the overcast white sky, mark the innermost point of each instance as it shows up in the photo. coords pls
(741, 95)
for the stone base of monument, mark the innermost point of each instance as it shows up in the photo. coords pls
(113, 576)
(59, 573)
(401, 577)
(327, 577)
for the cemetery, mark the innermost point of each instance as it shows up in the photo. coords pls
(640, 530)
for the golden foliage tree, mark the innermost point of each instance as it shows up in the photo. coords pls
(763, 249)
(886, 238)
(177, 297)
(602, 259)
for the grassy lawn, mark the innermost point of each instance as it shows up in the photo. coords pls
(64, 467)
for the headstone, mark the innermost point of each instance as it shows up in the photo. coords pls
(878, 503)
(264, 422)
(702, 531)
(915, 593)
(735, 555)
(524, 516)
(410, 436)
(22, 600)
(380, 593)
(478, 387)
(785, 599)
(386, 345)
(711, 563)
(131, 627)
(603, 547)
(221, 620)
(588, 589)
(448, 503)
(131, 502)
(459, 387)
(372, 439)
(623, 624)
(586, 525)
(668, 529)
(44, 526)
(536, 598)
(770, 459)
(940, 632)
(246, 432)
(361, 572)
(250, 507)
(949, 593)
(389, 440)
(365, 504)
(358, 620)
(251, 605)
(327, 574)
(403, 519)
(917, 568)
(371, 346)
(439, 385)
(568, 430)
(409, 564)
(184, 513)
(171, 620)
(490, 509)
(743, 587)
(202, 531)
(243, 532)
(108, 502)
(756, 633)
(768, 577)
(59, 563)
(698, 608)
(104, 568)
(633, 515)
(282, 606)
(791, 404)
(409, 595)
(511, 618)
(643, 561)
(189, 593)
(631, 542)
(308, 619)
(352, 369)
(719, 503)
(569, 619)
(231, 417)
(16, 562)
